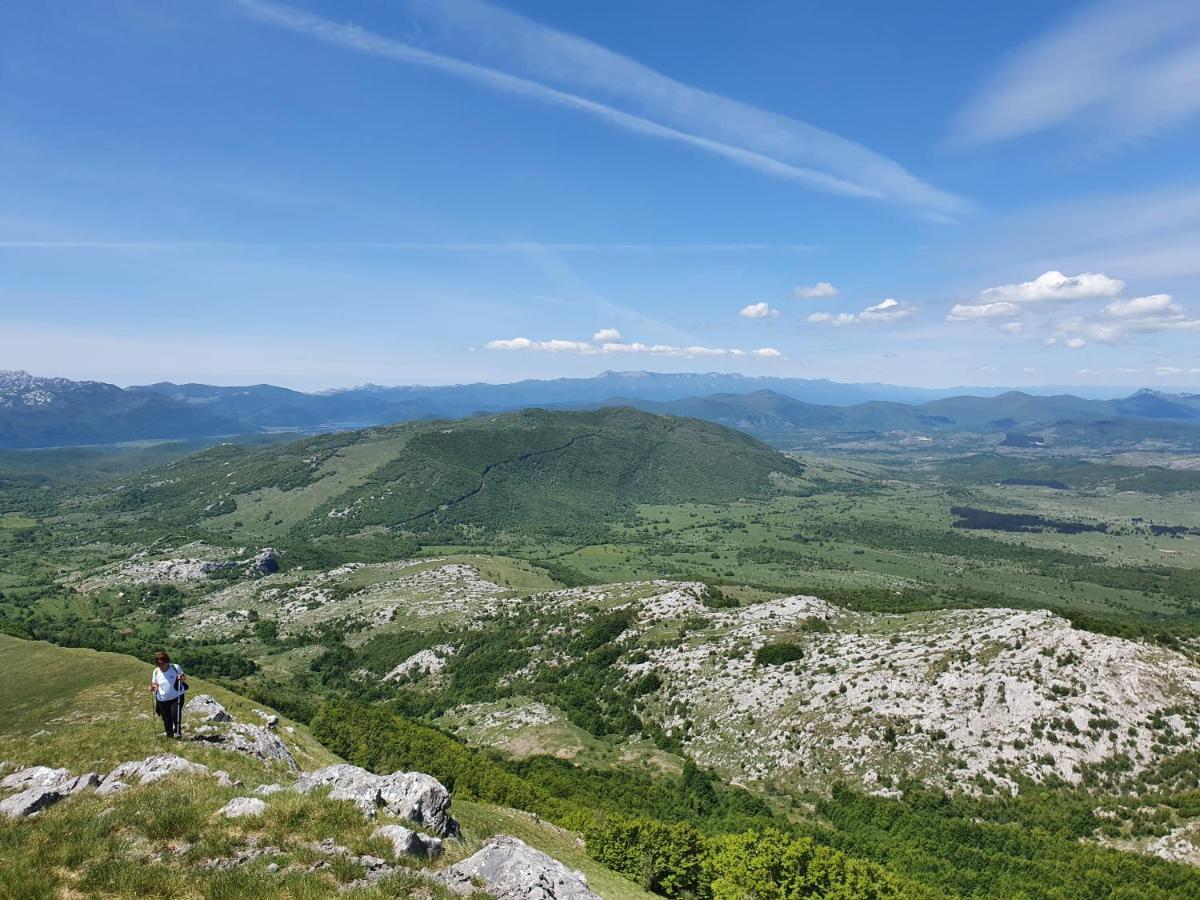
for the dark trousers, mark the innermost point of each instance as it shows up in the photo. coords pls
(170, 711)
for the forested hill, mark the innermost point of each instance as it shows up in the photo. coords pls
(532, 471)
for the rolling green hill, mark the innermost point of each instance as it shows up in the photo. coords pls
(536, 471)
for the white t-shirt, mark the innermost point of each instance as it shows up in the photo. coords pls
(164, 682)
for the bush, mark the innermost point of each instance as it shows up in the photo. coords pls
(778, 653)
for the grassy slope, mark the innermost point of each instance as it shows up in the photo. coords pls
(83, 710)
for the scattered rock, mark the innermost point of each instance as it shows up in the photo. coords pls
(510, 869)
(266, 790)
(240, 807)
(253, 740)
(29, 801)
(406, 842)
(152, 769)
(269, 719)
(415, 796)
(207, 709)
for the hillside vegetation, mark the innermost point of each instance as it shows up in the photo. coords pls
(532, 471)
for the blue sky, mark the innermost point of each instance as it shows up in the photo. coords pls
(432, 191)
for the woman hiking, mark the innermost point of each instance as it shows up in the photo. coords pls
(168, 684)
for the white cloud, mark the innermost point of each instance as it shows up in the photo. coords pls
(758, 311)
(999, 309)
(890, 310)
(1054, 286)
(814, 291)
(559, 69)
(617, 347)
(1012, 328)
(1119, 70)
(606, 335)
(1155, 304)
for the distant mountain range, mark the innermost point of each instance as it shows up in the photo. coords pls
(41, 412)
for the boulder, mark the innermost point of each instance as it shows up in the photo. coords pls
(266, 790)
(510, 869)
(415, 796)
(345, 782)
(253, 740)
(153, 768)
(406, 842)
(35, 776)
(206, 709)
(240, 807)
(29, 801)
(419, 798)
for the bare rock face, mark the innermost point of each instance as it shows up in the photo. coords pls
(240, 807)
(512, 870)
(406, 842)
(152, 769)
(253, 740)
(29, 801)
(417, 797)
(206, 709)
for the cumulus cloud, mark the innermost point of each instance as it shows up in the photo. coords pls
(1122, 319)
(815, 291)
(758, 311)
(890, 310)
(1008, 301)
(599, 346)
(1054, 286)
(1154, 305)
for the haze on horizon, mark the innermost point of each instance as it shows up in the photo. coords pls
(449, 191)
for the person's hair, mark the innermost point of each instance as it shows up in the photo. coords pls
(162, 656)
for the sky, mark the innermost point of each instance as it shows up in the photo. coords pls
(443, 191)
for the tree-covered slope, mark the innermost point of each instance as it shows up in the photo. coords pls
(532, 470)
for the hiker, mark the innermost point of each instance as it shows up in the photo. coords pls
(168, 684)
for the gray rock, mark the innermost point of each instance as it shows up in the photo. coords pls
(223, 778)
(29, 801)
(510, 869)
(406, 842)
(266, 790)
(345, 782)
(415, 796)
(153, 768)
(239, 807)
(253, 740)
(82, 783)
(206, 709)
(110, 786)
(36, 776)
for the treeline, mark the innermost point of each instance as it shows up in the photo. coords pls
(678, 860)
